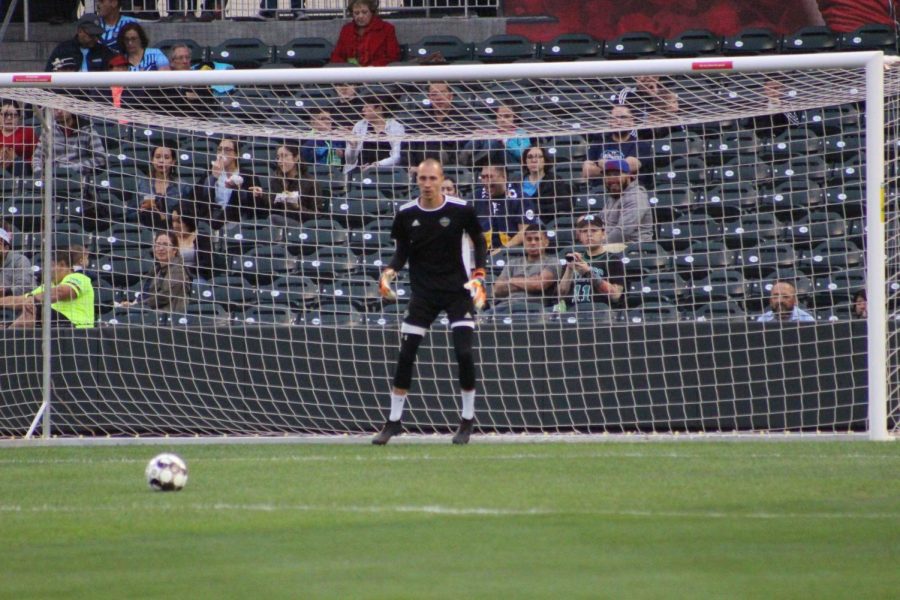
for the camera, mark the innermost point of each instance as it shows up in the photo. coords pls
(570, 257)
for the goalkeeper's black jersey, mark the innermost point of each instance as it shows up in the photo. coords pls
(443, 245)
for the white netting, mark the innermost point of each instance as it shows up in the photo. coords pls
(751, 178)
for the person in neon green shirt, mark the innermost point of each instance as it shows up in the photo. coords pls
(71, 295)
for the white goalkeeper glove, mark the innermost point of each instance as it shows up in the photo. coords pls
(476, 288)
(384, 284)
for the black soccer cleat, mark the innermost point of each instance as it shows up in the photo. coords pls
(463, 432)
(390, 429)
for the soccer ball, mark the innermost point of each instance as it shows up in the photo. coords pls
(166, 473)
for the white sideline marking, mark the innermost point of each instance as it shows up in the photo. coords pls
(439, 510)
(375, 457)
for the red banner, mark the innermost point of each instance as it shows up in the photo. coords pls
(607, 19)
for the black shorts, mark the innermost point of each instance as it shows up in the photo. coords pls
(423, 309)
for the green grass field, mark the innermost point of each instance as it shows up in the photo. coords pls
(588, 520)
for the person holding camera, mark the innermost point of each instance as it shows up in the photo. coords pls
(596, 273)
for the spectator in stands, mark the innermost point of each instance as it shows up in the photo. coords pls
(291, 193)
(119, 95)
(135, 44)
(533, 274)
(84, 52)
(71, 296)
(595, 273)
(195, 101)
(169, 287)
(348, 106)
(111, 19)
(502, 209)
(76, 146)
(626, 208)
(783, 305)
(161, 191)
(448, 187)
(367, 40)
(17, 142)
(439, 116)
(662, 118)
(323, 150)
(372, 148)
(778, 98)
(622, 143)
(512, 145)
(224, 196)
(194, 246)
(644, 96)
(860, 305)
(550, 196)
(16, 274)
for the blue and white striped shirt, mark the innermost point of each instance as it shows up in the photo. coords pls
(154, 59)
(110, 36)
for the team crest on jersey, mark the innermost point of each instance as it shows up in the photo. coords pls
(415, 223)
(444, 221)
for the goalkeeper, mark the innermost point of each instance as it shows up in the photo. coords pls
(436, 234)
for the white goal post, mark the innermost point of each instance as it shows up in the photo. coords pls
(757, 170)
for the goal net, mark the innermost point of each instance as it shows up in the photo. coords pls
(676, 246)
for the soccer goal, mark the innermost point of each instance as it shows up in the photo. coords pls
(753, 289)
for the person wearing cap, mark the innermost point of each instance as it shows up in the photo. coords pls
(111, 19)
(626, 207)
(620, 143)
(594, 271)
(16, 274)
(84, 52)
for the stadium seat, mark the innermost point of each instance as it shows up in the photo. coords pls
(262, 264)
(792, 142)
(815, 227)
(233, 293)
(814, 38)
(722, 309)
(689, 171)
(198, 53)
(201, 314)
(362, 294)
(361, 206)
(124, 268)
(686, 230)
(847, 200)
(720, 284)
(328, 263)
(669, 288)
(836, 289)
(736, 171)
(634, 44)
(752, 229)
(269, 315)
(833, 255)
(845, 144)
(644, 258)
(306, 52)
(811, 168)
(871, 36)
(654, 312)
(670, 203)
(250, 233)
(124, 238)
(760, 262)
(794, 194)
(702, 257)
(315, 234)
(848, 173)
(504, 48)
(571, 46)
(833, 119)
(676, 145)
(342, 313)
(242, 53)
(728, 200)
(293, 290)
(693, 42)
(724, 148)
(450, 47)
(135, 316)
(751, 41)
(369, 241)
(391, 182)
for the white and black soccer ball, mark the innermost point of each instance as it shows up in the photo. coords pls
(166, 473)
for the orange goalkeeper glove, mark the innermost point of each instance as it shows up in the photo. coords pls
(384, 284)
(476, 288)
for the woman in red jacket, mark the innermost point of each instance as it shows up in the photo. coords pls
(367, 40)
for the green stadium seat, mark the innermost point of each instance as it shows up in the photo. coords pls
(243, 53)
(503, 48)
(306, 52)
(693, 42)
(634, 44)
(814, 38)
(751, 41)
(571, 46)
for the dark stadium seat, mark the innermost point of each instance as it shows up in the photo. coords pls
(811, 168)
(293, 290)
(451, 48)
(125, 237)
(306, 52)
(362, 294)
(842, 145)
(392, 182)
(676, 145)
(693, 42)
(634, 44)
(741, 145)
(124, 268)
(643, 258)
(848, 173)
(262, 264)
(250, 233)
(133, 316)
(814, 38)
(269, 315)
(793, 194)
(752, 229)
(686, 230)
(838, 289)
(689, 171)
(722, 309)
(728, 200)
(735, 171)
(368, 241)
(815, 227)
(571, 46)
(792, 142)
(233, 293)
(871, 36)
(654, 312)
(696, 262)
(751, 41)
(242, 53)
(201, 314)
(719, 284)
(669, 203)
(328, 263)
(340, 313)
(669, 288)
(503, 48)
(833, 255)
(314, 234)
(759, 262)
(833, 119)
(848, 200)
